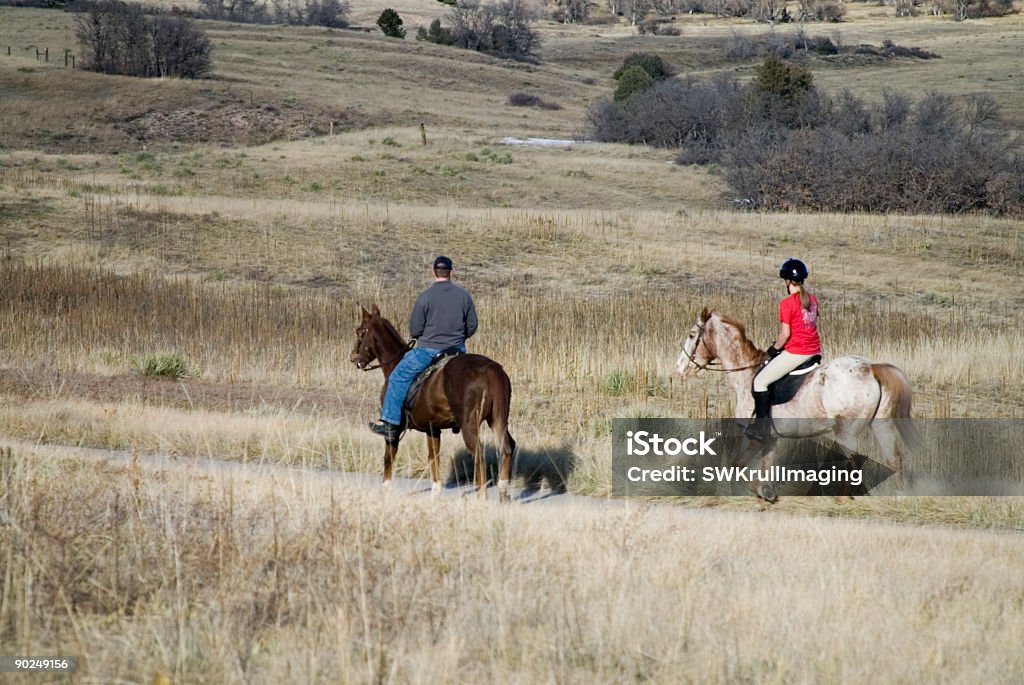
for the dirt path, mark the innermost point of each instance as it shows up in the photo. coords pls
(413, 487)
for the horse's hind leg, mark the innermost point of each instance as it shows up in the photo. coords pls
(433, 456)
(846, 431)
(507, 446)
(884, 432)
(471, 436)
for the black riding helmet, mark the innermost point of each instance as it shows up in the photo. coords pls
(793, 270)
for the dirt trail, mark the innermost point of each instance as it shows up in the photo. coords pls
(415, 487)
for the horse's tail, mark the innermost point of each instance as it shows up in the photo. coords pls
(500, 388)
(896, 401)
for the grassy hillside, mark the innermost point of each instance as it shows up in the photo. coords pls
(238, 187)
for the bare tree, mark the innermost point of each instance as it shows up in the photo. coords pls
(634, 10)
(119, 38)
(504, 29)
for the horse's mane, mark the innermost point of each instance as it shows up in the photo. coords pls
(390, 329)
(748, 348)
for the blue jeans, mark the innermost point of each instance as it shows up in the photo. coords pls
(414, 361)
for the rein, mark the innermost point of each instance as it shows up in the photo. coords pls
(707, 365)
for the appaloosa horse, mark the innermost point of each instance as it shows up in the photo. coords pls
(467, 391)
(845, 396)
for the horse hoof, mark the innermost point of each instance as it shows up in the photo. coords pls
(435, 490)
(767, 493)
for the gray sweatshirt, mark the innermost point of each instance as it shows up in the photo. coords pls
(443, 316)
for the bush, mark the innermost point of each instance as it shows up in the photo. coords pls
(786, 92)
(783, 144)
(527, 100)
(436, 34)
(120, 38)
(391, 24)
(242, 11)
(973, 9)
(933, 157)
(822, 10)
(331, 13)
(162, 365)
(683, 113)
(503, 30)
(632, 81)
(653, 65)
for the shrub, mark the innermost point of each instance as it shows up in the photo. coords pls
(973, 9)
(162, 365)
(653, 65)
(391, 24)
(728, 8)
(242, 11)
(504, 29)
(783, 144)
(632, 81)
(822, 10)
(435, 34)
(786, 93)
(331, 13)
(527, 100)
(932, 157)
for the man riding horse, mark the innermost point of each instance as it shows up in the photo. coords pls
(442, 319)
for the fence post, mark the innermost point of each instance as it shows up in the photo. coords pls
(47, 53)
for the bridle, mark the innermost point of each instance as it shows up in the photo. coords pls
(707, 366)
(381, 362)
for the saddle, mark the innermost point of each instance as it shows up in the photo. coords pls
(436, 364)
(785, 389)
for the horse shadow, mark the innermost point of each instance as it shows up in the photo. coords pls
(553, 465)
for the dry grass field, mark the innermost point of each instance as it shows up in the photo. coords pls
(237, 223)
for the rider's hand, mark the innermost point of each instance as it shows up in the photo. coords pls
(773, 352)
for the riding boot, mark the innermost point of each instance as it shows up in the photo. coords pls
(759, 428)
(392, 433)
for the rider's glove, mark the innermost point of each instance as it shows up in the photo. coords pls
(773, 352)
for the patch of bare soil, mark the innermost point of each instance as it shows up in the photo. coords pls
(184, 394)
(230, 123)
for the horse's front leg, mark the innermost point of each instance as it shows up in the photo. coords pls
(389, 461)
(433, 456)
(763, 487)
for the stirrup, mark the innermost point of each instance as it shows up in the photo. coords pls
(390, 432)
(755, 430)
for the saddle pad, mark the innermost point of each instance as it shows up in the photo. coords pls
(786, 388)
(436, 365)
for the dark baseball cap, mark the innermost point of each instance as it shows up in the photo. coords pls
(443, 262)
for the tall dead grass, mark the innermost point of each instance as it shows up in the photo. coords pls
(213, 576)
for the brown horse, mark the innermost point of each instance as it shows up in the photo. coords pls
(467, 391)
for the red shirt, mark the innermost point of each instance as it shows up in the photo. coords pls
(803, 325)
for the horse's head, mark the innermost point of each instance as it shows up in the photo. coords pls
(365, 349)
(696, 354)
